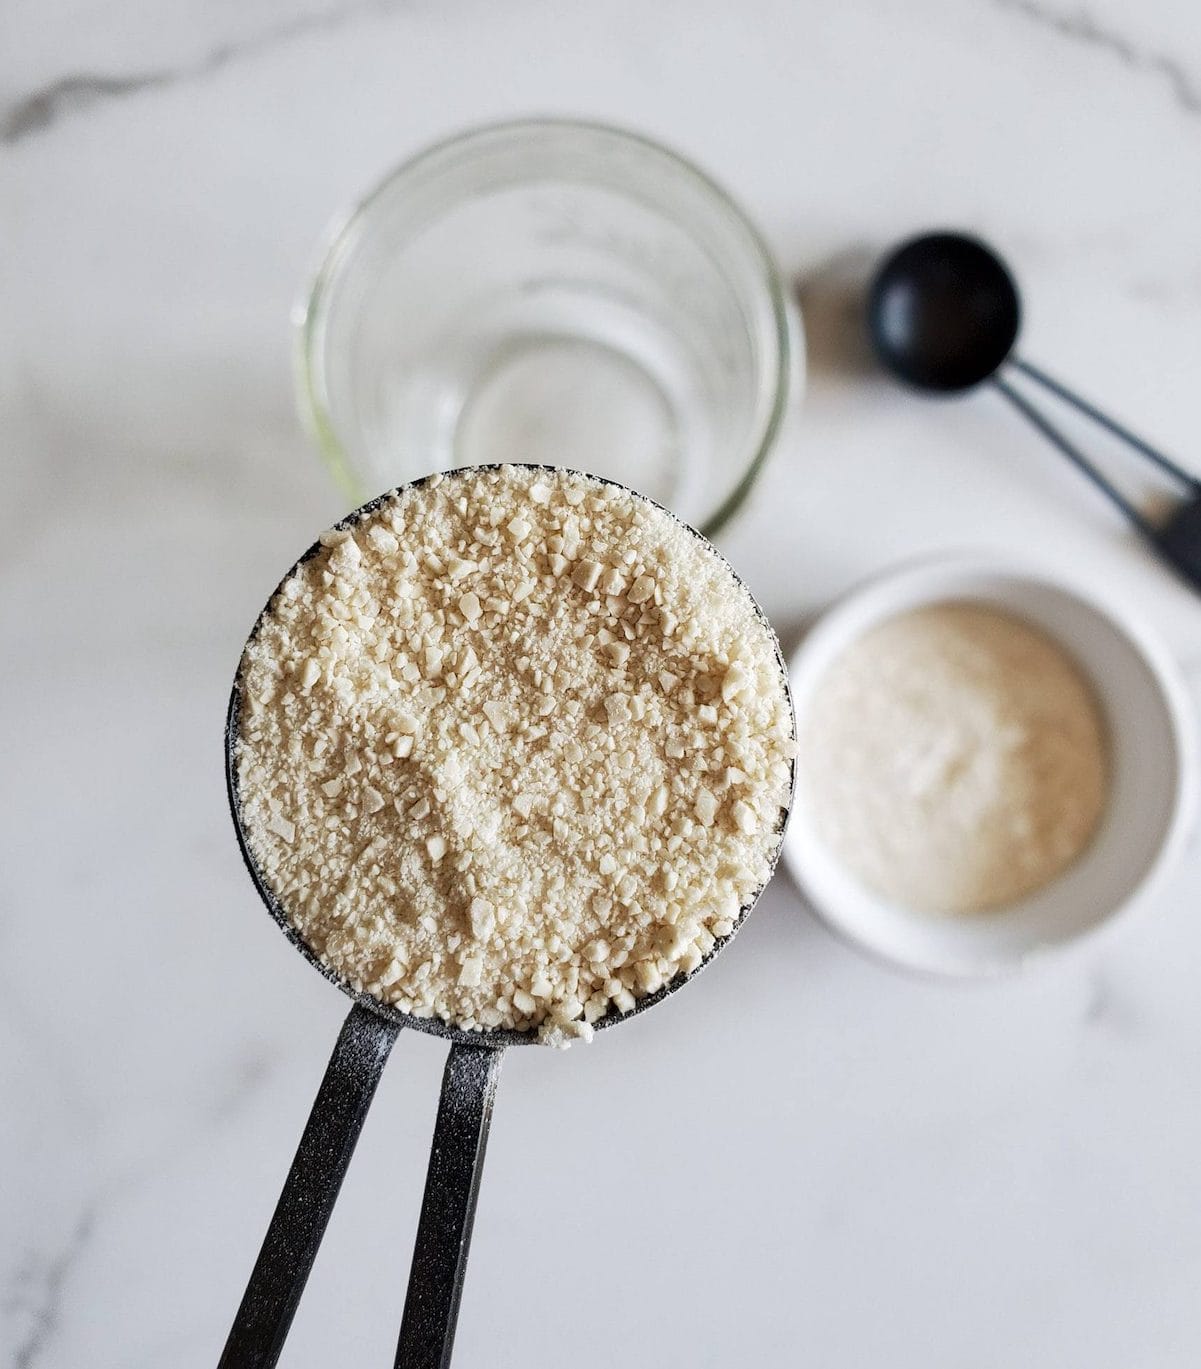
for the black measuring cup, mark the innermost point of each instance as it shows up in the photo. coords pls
(460, 1130)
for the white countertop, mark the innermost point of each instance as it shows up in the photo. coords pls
(807, 1161)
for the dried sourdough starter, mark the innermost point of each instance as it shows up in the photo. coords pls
(514, 750)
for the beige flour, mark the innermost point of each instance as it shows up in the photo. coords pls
(514, 750)
(955, 758)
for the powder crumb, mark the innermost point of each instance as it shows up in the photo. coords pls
(496, 797)
(282, 828)
(955, 759)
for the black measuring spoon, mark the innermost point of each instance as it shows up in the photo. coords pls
(944, 314)
(460, 1130)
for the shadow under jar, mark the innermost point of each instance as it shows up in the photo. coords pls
(549, 292)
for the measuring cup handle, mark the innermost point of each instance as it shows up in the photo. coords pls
(427, 1331)
(1186, 478)
(312, 1185)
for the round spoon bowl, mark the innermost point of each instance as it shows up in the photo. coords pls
(943, 312)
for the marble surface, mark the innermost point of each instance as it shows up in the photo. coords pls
(808, 1159)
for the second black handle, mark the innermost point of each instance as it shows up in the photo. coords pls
(427, 1332)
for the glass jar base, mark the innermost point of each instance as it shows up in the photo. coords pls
(570, 401)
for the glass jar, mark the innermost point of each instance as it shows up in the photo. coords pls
(549, 291)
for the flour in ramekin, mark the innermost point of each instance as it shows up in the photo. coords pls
(955, 758)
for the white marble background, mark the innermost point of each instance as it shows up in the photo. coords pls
(808, 1160)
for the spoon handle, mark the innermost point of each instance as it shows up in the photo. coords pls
(309, 1192)
(427, 1331)
(1061, 391)
(1073, 454)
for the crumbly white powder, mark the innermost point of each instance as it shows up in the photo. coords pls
(955, 758)
(513, 750)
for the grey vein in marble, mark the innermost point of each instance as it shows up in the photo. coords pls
(81, 91)
(38, 1287)
(1082, 27)
(41, 1294)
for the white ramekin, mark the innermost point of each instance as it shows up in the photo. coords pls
(1152, 786)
